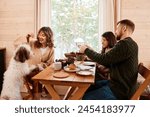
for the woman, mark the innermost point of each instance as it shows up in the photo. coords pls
(43, 48)
(108, 42)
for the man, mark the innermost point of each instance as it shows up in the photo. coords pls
(122, 60)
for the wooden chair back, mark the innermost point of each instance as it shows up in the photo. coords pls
(145, 73)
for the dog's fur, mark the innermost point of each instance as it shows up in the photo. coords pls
(17, 69)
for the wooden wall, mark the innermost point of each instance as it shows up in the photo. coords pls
(139, 12)
(16, 18)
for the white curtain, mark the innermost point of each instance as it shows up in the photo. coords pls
(43, 13)
(109, 11)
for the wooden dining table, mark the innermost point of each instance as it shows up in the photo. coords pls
(78, 84)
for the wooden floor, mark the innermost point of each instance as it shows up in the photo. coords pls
(43, 96)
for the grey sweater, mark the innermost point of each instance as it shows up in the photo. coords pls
(122, 60)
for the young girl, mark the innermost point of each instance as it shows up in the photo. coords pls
(108, 42)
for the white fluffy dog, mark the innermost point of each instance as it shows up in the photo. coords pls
(13, 77)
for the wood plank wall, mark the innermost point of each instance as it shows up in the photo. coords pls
(16, 19)
(139, 12)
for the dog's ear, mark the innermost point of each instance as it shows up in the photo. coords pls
(22, 54)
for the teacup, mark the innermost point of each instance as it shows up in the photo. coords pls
(57, 66)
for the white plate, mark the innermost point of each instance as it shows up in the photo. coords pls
(84, 67)
(84, 73)
(68, 69)
(88, 63)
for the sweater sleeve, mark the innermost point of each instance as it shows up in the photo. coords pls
(117, 54)
(48, 59)
(51, 58)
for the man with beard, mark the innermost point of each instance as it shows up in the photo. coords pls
(122, 60)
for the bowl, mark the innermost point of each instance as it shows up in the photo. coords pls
(71, 54)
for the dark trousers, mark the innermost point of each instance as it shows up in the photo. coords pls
(99, 91)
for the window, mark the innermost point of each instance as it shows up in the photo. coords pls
(73, 20)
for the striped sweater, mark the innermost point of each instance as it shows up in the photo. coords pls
(122, 60)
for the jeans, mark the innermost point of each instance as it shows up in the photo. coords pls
(99, 91)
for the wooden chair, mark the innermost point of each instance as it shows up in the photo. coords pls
(145, 72)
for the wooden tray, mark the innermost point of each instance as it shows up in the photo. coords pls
(60, 75)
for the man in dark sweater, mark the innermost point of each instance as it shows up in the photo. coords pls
(122, 60)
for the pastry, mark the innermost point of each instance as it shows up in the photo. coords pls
(72, 66)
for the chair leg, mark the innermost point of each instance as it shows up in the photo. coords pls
(29, 90)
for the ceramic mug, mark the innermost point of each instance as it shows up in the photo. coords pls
(57, 66)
